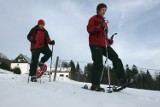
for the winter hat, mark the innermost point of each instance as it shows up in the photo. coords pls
(41, 22)
(101, 5)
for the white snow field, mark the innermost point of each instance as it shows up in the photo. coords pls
(16, 92)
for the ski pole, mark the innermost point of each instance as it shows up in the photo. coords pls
(105, 32)
(106, 61)
(51, 66)
(109, 79)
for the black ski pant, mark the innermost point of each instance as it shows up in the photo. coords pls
(35, 57)
(97, 57)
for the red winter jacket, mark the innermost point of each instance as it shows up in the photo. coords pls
(95, 29)
(39, 38)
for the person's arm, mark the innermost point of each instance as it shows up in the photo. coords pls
(48, 40)
(92, 27)
(30, 35)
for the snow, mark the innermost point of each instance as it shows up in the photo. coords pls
(16, 92)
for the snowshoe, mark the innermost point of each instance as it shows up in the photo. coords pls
(97, 88)
(42, 70)
(130, 82)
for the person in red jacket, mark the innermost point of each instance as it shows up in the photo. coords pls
(39, 39)
(98, 40)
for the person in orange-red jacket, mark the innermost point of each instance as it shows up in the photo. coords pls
(98, 40)
(39, 39)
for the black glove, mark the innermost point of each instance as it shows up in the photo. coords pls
(52, 42)
(102, 24)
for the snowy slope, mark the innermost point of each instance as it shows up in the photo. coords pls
(16, 92)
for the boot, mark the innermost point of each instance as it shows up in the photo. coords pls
(33, 78)
(97, 88)
(40, 64)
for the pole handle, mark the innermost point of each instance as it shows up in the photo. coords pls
(113, 36)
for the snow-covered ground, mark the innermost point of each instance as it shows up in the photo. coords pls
(16, 92)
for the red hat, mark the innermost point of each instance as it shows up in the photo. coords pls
(41, 22)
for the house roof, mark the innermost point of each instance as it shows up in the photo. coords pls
(22, 59)
(28, 59)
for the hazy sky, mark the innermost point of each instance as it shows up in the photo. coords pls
(137, 23)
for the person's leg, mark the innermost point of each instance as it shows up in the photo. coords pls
(117, 64)
(34, 62)
(97, 64)
(47, 54)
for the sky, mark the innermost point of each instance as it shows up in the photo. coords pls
(137, 23)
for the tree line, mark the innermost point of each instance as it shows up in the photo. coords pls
(145, 79)
(5, 64)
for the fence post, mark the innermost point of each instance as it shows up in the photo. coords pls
(56, 68)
